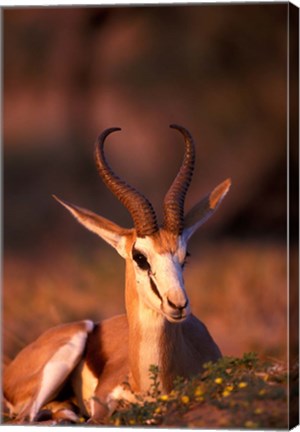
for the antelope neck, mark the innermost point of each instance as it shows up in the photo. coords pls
(152, 339)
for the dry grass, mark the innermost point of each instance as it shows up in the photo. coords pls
(242, 296)
(237, 289)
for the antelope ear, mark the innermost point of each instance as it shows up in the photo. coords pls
(204, 209)
(110, 232)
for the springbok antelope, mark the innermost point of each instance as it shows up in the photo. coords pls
(158, 328)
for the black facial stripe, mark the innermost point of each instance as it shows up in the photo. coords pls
(154, 289)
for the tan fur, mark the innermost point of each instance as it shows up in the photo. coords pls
(157, 329)
(165, 242)
(107, 359)
(115, 349)
(182, 347)
(218, 193)
(24, 373)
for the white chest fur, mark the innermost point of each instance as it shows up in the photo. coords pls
(150, 352)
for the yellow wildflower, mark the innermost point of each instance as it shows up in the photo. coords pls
(219, 380)
(251, 424)
(198, 391)
(158, 410)
(225, 393)
(229, 388)
(164, 397)
(132, 421)
(258, 411)
(242, 384)
(262, 392)
(185, 399)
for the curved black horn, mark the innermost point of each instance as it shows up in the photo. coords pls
(139, 207)
(174, 199)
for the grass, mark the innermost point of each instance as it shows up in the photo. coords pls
(235, 392)
(238, 392)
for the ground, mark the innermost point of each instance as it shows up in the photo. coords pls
(235, 392)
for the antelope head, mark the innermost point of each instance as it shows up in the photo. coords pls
(155, 254)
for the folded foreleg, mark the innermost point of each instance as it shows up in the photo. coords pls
(40, 370)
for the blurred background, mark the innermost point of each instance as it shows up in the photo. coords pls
(218, 70)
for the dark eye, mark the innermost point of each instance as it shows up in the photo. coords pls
(140, 259)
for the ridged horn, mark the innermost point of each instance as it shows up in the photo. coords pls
(139, 207)
(174, 199)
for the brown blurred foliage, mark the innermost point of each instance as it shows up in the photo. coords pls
(69, 73)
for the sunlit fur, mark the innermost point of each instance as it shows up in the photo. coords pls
(111, 359)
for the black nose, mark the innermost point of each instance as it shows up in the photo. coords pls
(177, 307)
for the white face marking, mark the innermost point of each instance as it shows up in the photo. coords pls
(159, 278)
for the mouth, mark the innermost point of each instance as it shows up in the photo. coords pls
(175, 316)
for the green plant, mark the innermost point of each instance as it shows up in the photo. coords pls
(239, 390)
